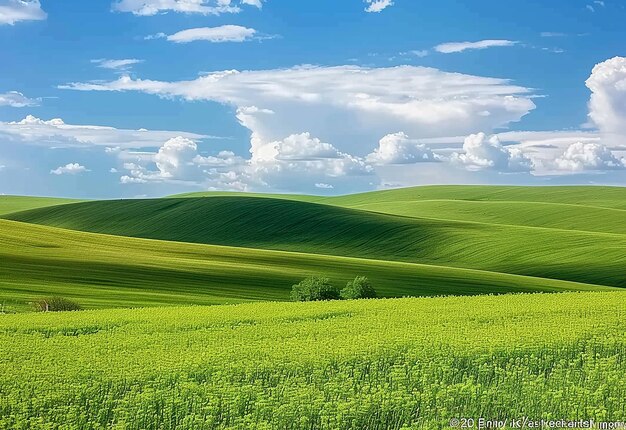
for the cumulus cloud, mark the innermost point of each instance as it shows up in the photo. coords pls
(397, 148)
(56, 133)
(17, 100)
(588, 156)
(69, 169)
(221, 34)
(346, 105)
(482, 152)
(13, 11)
(178, 161)
(453, 47)
(301, 161)
(119, 65)
(298, 162)
(607, 106)
(204, 7)
(377, 5)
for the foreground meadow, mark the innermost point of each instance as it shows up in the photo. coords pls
(376, 364)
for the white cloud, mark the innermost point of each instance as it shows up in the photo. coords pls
(120, 65)
(588, 156)
(607, 106)
(346, 105)
(420, 53)
(13, 11)
(69, 169)
(175, 157)
(377, 5)
(204, 7)
(324, 186)
(552, 34)
(482, 152)
(17, 100)
(453, 47)
(397, 148)
(298, 162)
(178, 161)
(56, 133)
(596, 3)
(224, 33)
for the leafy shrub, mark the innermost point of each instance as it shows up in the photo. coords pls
(359, 288)
(314, 288)
(56, 304)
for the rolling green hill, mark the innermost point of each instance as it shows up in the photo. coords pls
(10, 204)
(290, 225)
(102, 271)
(570, 208)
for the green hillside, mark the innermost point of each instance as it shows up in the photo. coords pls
(102, 271)
(570, 208)
(598, 196)
(268, 223)
(10, 204)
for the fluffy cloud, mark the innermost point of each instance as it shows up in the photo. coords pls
(397, 148)
(204, 7)
(224, 33)
(13, 11)
(482, 152)
(15, 99)
(347, 105)
(178, 161)
(607, 106)
(298, 162)
(588, 156)
(56, 133)
(340, 109)
(452, 47)
(69, 169)
(120, 65)
(377, 5)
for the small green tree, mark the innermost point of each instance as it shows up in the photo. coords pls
(359, 288)
(313, 289)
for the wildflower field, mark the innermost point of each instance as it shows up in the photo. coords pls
(372, 364)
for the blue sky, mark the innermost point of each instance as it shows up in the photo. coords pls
(150, 97)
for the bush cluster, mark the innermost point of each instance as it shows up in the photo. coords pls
(56, 304)
(316, 288)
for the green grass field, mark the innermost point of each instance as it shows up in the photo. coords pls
(548, 240)
(9, 204)
(101, 271)
(372, 364)
(391, 363)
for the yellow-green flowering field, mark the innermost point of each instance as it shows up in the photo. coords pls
(373, 364)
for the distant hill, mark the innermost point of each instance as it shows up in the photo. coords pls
(9, 204)
(568, 233)
(101, 271)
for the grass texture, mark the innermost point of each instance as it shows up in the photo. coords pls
(580, 243)
(372, 364)
(100, 271)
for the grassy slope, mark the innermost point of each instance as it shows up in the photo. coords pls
(583, 256)
(609, 197)
(10, 204)
(571, 208)
(109, 271)
(597, 209)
